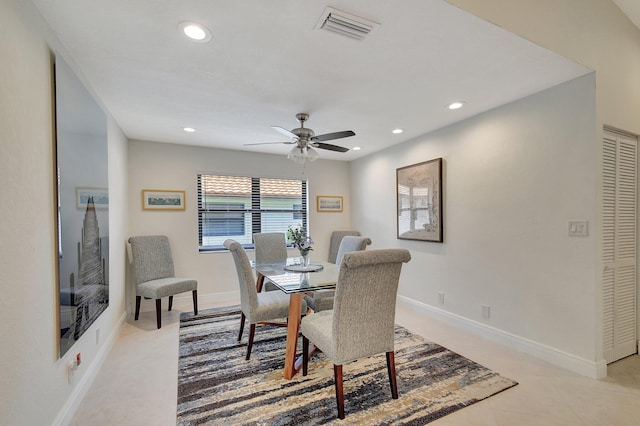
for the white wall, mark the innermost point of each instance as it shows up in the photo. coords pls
(594, 33)
(513, 177)
(168, 166)
(33, 381)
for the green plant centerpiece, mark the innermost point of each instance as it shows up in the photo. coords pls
(297, 236)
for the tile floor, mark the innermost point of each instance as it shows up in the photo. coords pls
(138, 382)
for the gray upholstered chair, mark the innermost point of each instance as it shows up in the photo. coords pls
(336, 239)
(256, 307)
(270, 247)
(154, 273)
(362, 321)
(322, 300)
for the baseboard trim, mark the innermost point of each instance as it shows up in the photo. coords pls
(584, 367)
(70, 407)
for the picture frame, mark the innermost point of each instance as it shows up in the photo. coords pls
(329, 203)
(163, 199)
(419, 201)
(100, 197)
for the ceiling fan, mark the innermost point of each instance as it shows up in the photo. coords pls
(305, 140)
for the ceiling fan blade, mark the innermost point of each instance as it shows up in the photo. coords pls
(331, 136)
(330, 147)
(283, 131)
(270, 143)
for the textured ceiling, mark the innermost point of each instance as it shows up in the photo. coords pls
(266, 62)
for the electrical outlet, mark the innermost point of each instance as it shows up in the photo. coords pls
(441, 297)
(486, 311)
(71, 368)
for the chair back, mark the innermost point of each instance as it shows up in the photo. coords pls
(152, 258)
(365, 303)
(349, 244)
(271, 247)
(246, 279)
(336, 239)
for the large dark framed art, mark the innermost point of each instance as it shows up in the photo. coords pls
(419, 201)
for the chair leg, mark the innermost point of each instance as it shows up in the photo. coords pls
(252, 331)
(391, 368)
(305, 355)
(337, 374)
(242, 318)
(170, 303)
(195, 302)
(158, 310)
(138, 298)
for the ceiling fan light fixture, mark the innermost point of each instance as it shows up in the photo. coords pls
(297, 155)
(303, 154)
(311, 154)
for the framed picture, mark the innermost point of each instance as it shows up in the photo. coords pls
(419, 201)
(100, 197)
(329, 203)
(160, 199)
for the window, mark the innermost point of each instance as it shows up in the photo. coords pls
(237, 207)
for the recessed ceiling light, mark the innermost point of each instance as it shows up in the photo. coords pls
(456, 105)
(195, 32)
(356, 148)
(397, 131)
(189, 129)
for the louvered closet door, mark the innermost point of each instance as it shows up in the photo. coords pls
(619, 246)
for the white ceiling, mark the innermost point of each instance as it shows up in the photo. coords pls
(267, 62)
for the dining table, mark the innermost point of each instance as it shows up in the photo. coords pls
(296, 280)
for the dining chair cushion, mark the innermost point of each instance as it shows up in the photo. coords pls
(163, 287)
(322, 300)
(361, 322)
(270, 247)
(155, 275)
(351, 243)
(334, 243)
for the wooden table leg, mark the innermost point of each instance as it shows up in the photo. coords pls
(259, 282)
(293, 327)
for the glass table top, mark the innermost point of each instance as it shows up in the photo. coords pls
(296, 282)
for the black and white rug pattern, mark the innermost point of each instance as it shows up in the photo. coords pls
(216, 386)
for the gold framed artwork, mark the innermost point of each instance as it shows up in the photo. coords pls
(329, 203)
(162, 199)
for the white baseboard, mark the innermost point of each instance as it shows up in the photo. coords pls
(584, 367)
(70, 407)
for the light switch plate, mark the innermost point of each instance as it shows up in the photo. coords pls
(578, 228)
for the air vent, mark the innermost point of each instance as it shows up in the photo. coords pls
(345, 24)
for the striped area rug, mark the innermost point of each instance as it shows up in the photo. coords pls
(217, 386)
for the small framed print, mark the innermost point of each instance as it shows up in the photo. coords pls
(100, 197)
(160, 199)
(329, 203)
